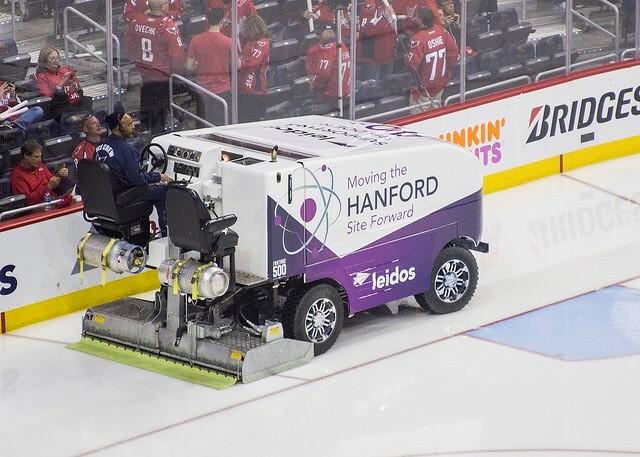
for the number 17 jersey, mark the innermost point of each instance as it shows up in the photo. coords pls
(155, 44)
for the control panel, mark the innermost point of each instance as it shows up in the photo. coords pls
(184, 153)
(184, 169)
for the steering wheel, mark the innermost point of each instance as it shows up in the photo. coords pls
(153, 158)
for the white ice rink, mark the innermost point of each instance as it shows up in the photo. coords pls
(411, 384)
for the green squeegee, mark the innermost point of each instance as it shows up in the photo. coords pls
(153, 363)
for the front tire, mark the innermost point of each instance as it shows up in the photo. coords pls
(315, 316)
(454, 279)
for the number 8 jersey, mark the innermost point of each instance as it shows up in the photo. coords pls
(155, 44)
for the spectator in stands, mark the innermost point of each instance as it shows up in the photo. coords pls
(246, 8)
(406, 11)
(431, 59)
(252, 82)
(61, 84)
(33, 179)
(154, 42)
(135, 8)
(322, 62)
(450, 20)
(86, 148)
(122, 159)
(25, 116)
(376, 40)
(209, 57)
(323, 13)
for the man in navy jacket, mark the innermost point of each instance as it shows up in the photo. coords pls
(122, 158)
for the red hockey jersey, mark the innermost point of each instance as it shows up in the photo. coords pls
(246, 8)
(255, 61)
(433, 53)
(377, 39)
(321, 66)
(409, 9)
(156, 46)
(135, 8)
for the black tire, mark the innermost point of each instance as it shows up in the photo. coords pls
(304, 310)
(442, 297)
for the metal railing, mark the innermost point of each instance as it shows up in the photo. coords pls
(609, 58)
(200, 89)
(490, 88)
(432, 104)
(28, 209)
(628, 54)
(616, 26)
(68, 39)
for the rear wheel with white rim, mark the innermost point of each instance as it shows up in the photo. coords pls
(454, 279)
(317, 317)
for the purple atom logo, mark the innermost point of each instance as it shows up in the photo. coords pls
(308, 210)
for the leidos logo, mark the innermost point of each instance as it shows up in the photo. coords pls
(582, 113)
(397, 276)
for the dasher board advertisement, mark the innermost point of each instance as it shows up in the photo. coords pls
(544, 123)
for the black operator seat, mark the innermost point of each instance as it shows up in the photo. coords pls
(191, 227)
(109, 205)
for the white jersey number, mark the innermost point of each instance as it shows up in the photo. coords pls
(147, 53)
(438, 57)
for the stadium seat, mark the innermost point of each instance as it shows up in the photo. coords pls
(8, 48)
(452, 88)
(392, 103)
(308, 40)
(15, 156)
(296, 29)
(488, 41)
(269, 11)
(57, 149)
(503, 19)
(369, 91)
(476, 7)
(510, 71)
(538, 65)
(42, 102)
(11, 137)
(293, 6)
(276, 95)
(27, 89)
(301, 86)
(478, 79)
(284, 109)
(5, 188)
(276, 32)
(548, 46)
(475, 26)
(518, 33)
(398, 84)
(558, 59)
(520, 53)
(312, 107)
(491, 61)
(43, 131)
(365, 109)
(15, 68)
(285, 73)
(282, 51)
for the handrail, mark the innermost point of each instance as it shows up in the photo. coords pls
(195, 86)
(117, 68)
(631, 51)
(560, 70)
(27, 209)
(13, 20)
(507, 82)
(616, 26)
(435, 104)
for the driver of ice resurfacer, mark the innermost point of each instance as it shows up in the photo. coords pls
(123, 160)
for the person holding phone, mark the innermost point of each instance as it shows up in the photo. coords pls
(24, 118)
(61, 84)
(33, 179)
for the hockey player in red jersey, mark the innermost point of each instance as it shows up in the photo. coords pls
(406, 11)
(154, 42)
(252, 79)
(322, 66)
(246, 8)
(134, 8)
(431, 58)
(376, 40)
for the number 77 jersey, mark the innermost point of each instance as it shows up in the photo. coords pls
(155, 44)
(433, 54)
